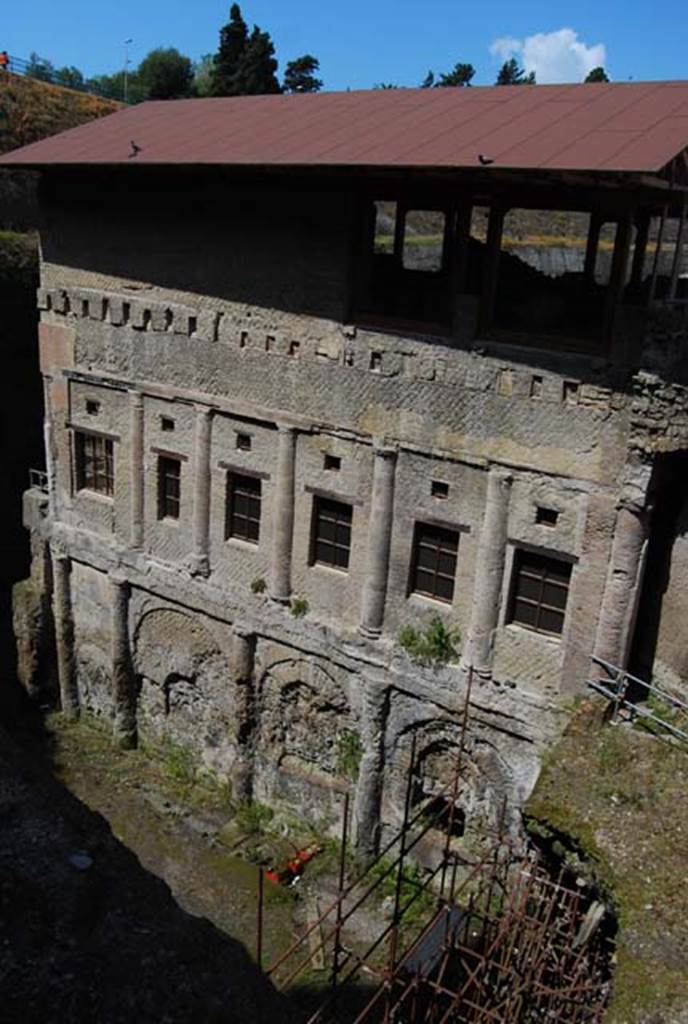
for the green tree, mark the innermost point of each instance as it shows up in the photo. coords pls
(203, 75)
(164, 74)
(256, 74)
(70, 78)
(511, 73)
(597, 75)
(39, 68)
(233, 40)
(301, 75)
(428, 81)
(386, 85)
(461, 75)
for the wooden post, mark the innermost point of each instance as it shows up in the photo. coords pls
(658, 255)
(591, 248)
(495, 228)
(676, 268)
(617, 280)
(640, 250)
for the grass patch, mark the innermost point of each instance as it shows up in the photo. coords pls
(620, 795)
(349, 754)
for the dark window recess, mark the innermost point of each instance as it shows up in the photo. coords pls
(546, 516)
(270, 343)
(439, 489)
(404, 271)
(243, 442)
(166, 423)
(376, 361)
(433, 564)
(331, 538)
(571, 392)
(243, 339)
(536, 387)
(243, 507)
(92, 408)
(332, 462)
(540, 588)
(94, 463)
(294, 348)
(169, 487)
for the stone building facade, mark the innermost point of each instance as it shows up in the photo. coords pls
(259, 473)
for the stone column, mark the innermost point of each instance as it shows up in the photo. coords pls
(615, 622)
(379, 539)
(368, 794)
(283, 515)
(201, 505)
(49, 446)
(489, 574)
(136, 470)
(242, 663)
(124, 697)
(64, 632)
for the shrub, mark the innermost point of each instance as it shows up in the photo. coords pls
(258, 586)
(433, 646)
(349, 754)
(253, 817)
(299, 607)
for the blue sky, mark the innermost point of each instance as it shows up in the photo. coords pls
(362, 42)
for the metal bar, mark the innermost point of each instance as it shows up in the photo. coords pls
(402, 853)
(259, 927)
(457, 775)
(342, 868)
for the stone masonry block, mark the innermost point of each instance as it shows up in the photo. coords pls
(59, 303)
(56, 347)
(139, 315)
(43, 298)
(206, 325)
(117, 312)
(160, 318)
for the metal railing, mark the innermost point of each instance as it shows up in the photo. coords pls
(43, 71)
(615, 686)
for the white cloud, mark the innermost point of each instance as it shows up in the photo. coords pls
(554, 56)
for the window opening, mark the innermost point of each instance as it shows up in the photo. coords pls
(536, 387)
(332, 462)
(539, 592)
(424, 234)
(546, 516)
(243, 442)
(94, 463)
(166, 423)
(331, 544)
(169, 487)
(439, 489)
(243, 507)
(433, 564)
(92, 407)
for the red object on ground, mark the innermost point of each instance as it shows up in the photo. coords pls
(293, 869)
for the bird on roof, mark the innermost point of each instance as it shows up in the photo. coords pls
(485, 160)
(135, 150)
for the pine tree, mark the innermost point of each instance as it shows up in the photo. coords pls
(597, 75)
(257, 66)
(233, 42)
(300, 75)
(511, 73)
(461, 75)
(428, 81)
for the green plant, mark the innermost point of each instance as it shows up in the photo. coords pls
(433, 646)
(178, 761)
(258, 586)
(299, 607)
(349, 754)
(253, 817)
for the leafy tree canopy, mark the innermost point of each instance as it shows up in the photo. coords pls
(245, 65)
(511, 73)
(69, 77)
(233, 40)
(164, 74)
(597, 75)
(301, 75)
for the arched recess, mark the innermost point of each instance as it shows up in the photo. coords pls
(186, 693)
(305, 730)
(485, 784)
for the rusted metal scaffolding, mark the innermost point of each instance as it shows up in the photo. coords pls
(503, 939)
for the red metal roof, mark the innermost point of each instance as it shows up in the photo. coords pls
(598, 127)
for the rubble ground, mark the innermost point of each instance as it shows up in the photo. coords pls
(620, 795)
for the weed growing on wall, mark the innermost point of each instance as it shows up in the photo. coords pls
(258, 586)
(349, 754)
(299, 607)
(435, 645)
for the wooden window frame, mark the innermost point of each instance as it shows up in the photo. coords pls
(169, 502)
(243, 525)
(538, 567)
(340, 515)
(444, 542)
(94, 460)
